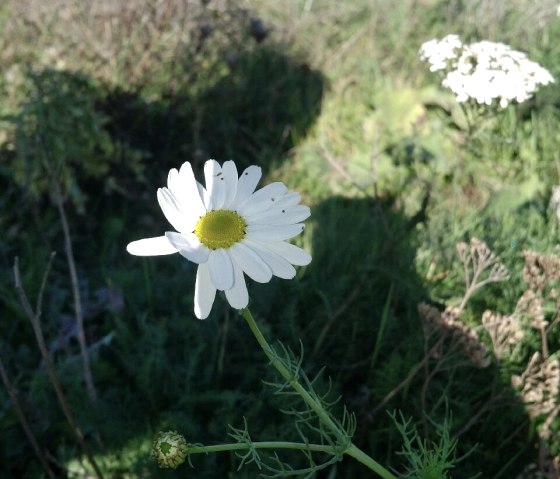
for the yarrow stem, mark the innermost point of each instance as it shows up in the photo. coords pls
(351, 449)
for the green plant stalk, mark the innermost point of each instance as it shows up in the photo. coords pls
(351, 449)
(236, 446)
(381, 332)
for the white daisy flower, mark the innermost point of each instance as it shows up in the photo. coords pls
(229, 230)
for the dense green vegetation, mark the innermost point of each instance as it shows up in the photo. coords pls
(101, 99)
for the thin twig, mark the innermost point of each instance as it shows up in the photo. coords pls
(334, 316)
(35, 319)
(409, 377)
(482, 410)
(92, 393)
(23, 421)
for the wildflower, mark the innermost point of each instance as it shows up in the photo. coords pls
(484, 71)
(170, 449)
(440, 53)
(229, 230)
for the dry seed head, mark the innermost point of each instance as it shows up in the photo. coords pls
(540, 270)
(531, 305)
(465, 337)
(505, 332)
(478, 258)
(539, 385)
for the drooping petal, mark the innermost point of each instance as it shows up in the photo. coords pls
(189, 246)
(172, 212)
(238, 296)
(273, 233)
(292, 253)
(247, 183)
(204, 292)
(280, 216)
(251, 263)
(230, 179)
(280, 267)
(215, 184)
(151, 247)
(262, 199)
(221, 269)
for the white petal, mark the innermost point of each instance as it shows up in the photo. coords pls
(204, 292)
(292, 253)
(280, 216)
(280, 267)
(189, 246)
(173, 181)
(262, 199)
(205, 197)
(186, 192)
(215, 184)
(246, 185)
(172, 212)
(289, 199)
(238, 296)
(231, 179)
(221, 269)
(151, 247)
(251, 263)
(273, 233)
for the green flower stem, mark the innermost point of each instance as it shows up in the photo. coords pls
(324, 417)
(236, 446)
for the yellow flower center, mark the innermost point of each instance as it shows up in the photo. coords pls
(220, 229)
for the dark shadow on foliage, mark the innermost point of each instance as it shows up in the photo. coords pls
(253, 114)
(363, 264)
(112, 150)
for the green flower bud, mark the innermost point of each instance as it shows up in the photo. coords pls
(169, 449)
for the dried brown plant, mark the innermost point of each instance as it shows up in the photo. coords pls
(463, 336)
(481, 267)
(539, 385)
(541, 272)
(504, 331)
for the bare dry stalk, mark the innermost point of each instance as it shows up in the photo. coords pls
(35, 318)
(92, 393)
(480, 412)
(59, 200)
(23, 421)
(409, 377)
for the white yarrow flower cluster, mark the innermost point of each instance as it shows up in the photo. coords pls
(229, 230)
(441, 53)
(484, 71)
